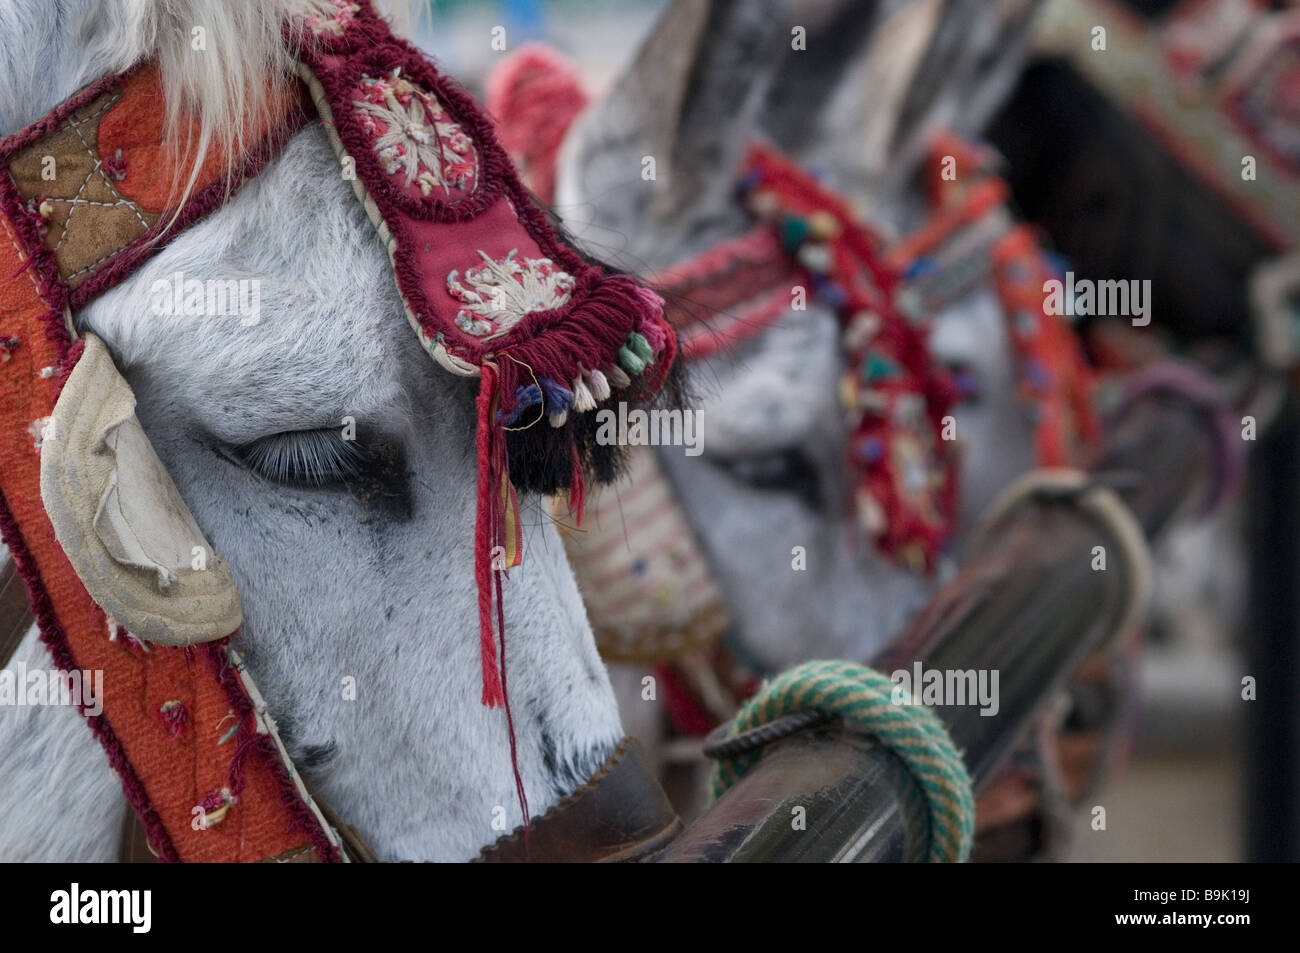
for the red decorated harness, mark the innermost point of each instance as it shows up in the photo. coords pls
(895, 395)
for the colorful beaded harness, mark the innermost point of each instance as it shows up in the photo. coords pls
(894, 395)
(808, 243)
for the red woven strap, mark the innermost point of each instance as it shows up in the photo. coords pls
(177, 724)
(728, 293)
(1054, 376)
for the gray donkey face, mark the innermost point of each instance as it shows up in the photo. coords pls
(860, 101)
(928, 65)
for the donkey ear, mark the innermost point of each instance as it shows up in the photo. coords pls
(120, 520)
(819, 75)
(889, 77)
(675, 123)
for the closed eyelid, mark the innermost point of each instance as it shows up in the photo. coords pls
(304, 457)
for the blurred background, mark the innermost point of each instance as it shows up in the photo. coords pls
(1132, 160)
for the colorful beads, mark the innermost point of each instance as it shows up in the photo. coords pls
(633, 364)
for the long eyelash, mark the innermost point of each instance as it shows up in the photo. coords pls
(304, 456)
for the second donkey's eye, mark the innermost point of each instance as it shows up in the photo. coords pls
(787, 470)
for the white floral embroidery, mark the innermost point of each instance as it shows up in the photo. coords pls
(412, 134)
(333, 17)
(502, 291)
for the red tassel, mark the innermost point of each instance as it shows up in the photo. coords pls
(577, 489)
(489, 520)
(485, 537)
(510, 718)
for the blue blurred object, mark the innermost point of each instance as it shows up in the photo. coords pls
(525, 20)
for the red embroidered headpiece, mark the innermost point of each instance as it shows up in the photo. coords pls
(489, 287)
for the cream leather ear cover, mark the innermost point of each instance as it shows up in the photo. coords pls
(120, 519)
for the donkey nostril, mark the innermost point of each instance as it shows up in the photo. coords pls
(317, 756)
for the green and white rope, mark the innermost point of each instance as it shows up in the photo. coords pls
(945, 822)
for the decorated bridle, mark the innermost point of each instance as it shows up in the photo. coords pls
(646, 578)
(893, 393)
(489, 289)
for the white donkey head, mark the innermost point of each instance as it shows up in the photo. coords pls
(354, 558)
(929, 67)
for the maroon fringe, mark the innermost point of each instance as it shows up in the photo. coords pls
(485, 533)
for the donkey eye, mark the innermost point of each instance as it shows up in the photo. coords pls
(788, 471)
(304, 457)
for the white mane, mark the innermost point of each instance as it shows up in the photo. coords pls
(222, 63)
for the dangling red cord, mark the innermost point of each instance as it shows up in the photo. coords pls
(493, 474)
(484, 536)
(577, 489)
(510, 720)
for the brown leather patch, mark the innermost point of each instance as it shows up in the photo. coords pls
(134, 847)
(88, 219)
(621, 814)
